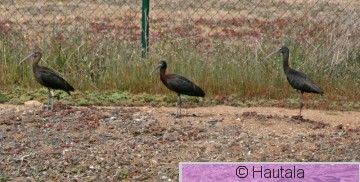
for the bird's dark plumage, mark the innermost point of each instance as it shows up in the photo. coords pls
(178, 84)
(47, 77)
(182, 85)
(303, 83)
(297, 79)
(50, 79)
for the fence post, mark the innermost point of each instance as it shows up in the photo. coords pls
(145, 28)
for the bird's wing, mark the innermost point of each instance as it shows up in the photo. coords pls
(53, 80)
(182, 85)
(302, 82)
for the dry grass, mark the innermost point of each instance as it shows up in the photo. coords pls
(96, 45)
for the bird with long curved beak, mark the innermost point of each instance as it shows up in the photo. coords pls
(298, 80)
(178, 84)
(157, 67)
(273, 53)
(27, 57)
(47, 77)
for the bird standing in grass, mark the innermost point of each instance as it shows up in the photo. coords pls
(47, 77)
(178, 84)
(297, 79)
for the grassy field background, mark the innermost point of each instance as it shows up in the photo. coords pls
(221, 45)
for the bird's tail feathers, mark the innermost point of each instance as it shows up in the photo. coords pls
(69, 89)
(318, 89)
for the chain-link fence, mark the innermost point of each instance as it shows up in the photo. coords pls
(201, 21)
(95, 42)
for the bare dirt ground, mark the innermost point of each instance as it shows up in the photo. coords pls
(147, 143)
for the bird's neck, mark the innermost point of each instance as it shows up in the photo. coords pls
(286, 61)
(35, 62)
(162, 74)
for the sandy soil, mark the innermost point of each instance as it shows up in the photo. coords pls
(146, 143)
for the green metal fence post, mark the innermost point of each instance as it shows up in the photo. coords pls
(145, 28)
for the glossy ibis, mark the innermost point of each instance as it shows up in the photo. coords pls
(47, 77)
(178, 84)
(297, 79)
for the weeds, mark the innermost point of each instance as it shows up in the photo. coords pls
(41, 168)
(4, 178)
(228, 62)
(3, 98)
(240, 70)
(122, 176)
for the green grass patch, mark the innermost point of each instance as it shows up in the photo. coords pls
(122, 176)
(3, 98)
(4, 178)
(123, 98)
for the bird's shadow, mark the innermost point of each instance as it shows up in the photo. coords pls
(297, 117)
(57, 107)
(173, 115)
(315, 124)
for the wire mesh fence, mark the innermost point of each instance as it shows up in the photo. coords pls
(201, 21)
(88, 38)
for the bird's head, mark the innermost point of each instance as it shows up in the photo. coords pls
(161, 65)
(282, 49)
(35, 54)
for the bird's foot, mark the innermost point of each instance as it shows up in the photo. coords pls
(173, 115)
(47, 108)
(297, 117)
(183, 115)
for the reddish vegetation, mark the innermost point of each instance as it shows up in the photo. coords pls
(199, 31)
(6, 26)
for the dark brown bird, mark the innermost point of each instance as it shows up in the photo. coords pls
(47, 77)
(297, 79)
(179, 85)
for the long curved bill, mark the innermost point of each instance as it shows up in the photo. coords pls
(155, 69)
(26, 58)
(271, 54)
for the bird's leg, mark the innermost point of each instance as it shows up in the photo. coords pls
(49, 97)
(178, 114)
(301, 103)
(51, 101)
